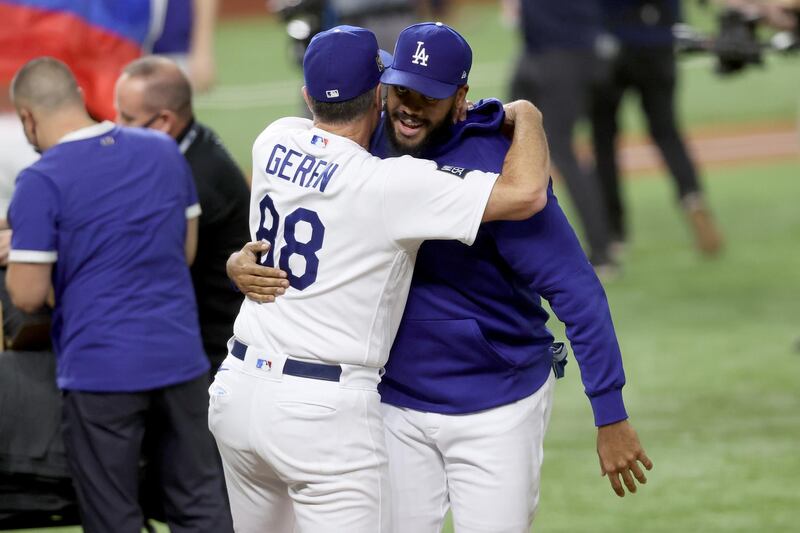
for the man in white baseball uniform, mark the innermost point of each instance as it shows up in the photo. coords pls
(294, 407)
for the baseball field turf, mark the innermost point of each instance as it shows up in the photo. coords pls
(711, 347)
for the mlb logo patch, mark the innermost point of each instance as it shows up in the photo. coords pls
(264, 364)
(455, 171)
(333, 93)
(319, 141)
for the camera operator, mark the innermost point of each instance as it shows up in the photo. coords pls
(645, 62)
(737, 43)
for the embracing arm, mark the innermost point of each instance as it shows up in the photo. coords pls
(521, 190)
(259, 283)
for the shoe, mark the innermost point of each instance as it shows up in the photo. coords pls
(608, 272)
(618, 249)
(707, 236)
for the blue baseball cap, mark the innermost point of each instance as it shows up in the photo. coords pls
(430, 58)
(342, 63)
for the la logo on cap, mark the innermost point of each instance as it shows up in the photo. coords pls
(420, 57)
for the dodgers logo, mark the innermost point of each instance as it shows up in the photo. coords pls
(319, 141)
(420, 57)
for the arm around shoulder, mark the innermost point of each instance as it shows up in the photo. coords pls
(521, 190)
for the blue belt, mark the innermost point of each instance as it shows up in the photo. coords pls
(293, 367)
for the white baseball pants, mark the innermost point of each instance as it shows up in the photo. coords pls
(301, 454)
(485, 466)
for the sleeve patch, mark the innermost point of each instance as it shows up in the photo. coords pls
(455, 171)
(193, 211)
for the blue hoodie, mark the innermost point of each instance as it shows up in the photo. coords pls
(474, 335)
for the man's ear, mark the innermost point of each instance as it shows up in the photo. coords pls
(168, 123)
(461, 104)
(24, 113)
(28, 121)
(307, 99)
(462, 91)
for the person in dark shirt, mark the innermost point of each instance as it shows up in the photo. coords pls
(646, 63)
(564, 57)
(153, 92)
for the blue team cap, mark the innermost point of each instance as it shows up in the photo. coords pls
(342, 63)
(430, 58)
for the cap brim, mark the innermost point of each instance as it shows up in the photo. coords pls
(386, 58)
(421, 84)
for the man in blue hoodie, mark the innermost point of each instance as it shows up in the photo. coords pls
(468, 387)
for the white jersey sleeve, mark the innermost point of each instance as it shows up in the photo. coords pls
(425, 202)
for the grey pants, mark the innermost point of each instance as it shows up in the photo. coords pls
(560, 83)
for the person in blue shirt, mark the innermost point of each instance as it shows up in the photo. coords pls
(102, 217)
(468, 387)
(646, 64)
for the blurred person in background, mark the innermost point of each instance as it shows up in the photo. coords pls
(185, 30)
(645, 62)
(432, 9)
(96, 39)
(306, 18)
(565, 56)
(153, 92)
(106, 219)
(386, 18)
(778, 14)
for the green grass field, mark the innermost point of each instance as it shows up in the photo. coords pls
(258, 82)
(710, 346)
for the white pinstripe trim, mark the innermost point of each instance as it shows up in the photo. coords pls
(88, 132)
(32, 256)
(193, 211)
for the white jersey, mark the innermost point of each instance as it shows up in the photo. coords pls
(346, 227)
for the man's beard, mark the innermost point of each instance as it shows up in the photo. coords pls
(437, 135)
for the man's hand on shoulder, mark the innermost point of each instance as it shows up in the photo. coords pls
(620, 454)
(259, 283)
(515, 109)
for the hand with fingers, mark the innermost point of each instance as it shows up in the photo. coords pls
(620, 454)
(511, 110)
(259, 283)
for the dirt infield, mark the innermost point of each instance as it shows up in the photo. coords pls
(244, 8)
(721, 145)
